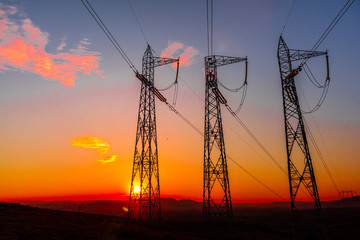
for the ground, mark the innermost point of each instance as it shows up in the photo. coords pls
(24, 222)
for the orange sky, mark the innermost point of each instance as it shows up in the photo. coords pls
(61, 84)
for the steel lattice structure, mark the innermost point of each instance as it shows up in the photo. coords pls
(145, 204)
(297, 148)
(215, 164)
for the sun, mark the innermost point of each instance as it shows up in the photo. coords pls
(136, 189)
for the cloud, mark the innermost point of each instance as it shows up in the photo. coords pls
(108, 159)
(171, 49)
(186, 53)
(22, 47)
(98, 144)
(62, 45)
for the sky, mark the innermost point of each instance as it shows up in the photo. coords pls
(69, 102)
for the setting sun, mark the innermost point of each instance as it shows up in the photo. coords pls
(137, 189)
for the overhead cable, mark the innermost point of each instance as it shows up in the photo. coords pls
(103, 27)
(330, 28)
(234, 161)
(138, 22)
(322, 159)
(287, 19)
(254, 138)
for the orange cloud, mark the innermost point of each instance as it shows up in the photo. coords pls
(108, 159)
(101, 146)
(186, 54)
(22, 47)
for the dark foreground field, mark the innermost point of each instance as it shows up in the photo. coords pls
(24, 222)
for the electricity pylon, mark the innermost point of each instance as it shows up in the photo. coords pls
(215, 164)
(297, 148)
(144, 200)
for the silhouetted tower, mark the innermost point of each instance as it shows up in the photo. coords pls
(300, 167)
(144, 200)
(215, 164)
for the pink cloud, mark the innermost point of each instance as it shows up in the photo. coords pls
(22, 47)
(171, 49)
(62, 45)
(186, 54)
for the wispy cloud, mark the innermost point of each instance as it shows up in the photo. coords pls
(22, 47)
(108, 159)
(96, 143)
(62, 45)
(177, 49)
(99, 145)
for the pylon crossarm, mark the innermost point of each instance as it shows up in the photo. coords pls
(159, 61)
(296, 55)
(224, 60)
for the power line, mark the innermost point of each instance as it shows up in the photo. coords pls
(287, 19)
(254, 138)
(313, 79)
(235, 112)
(323, 142)
(242, 100)
(321, 157)
(175, 83)
(258, 142)
(107, 32)
(317, 149)
(212, 27)
(247, 172)
(209, 26)
(234, 161)
(234, 90)
(321, 100)
(138, 22)
(223, 120)
(332, 24)
(103, 27)
(98, 20)
(184, 118)
(330, 28)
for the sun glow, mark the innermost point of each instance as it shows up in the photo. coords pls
(137, 189)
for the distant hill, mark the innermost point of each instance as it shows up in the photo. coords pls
(23, 222)
(170, 205)
(345, 202)
(108, 207)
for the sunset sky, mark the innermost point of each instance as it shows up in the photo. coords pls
(69, 102)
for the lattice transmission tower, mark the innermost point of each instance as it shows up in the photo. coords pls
(215, 164)
(300, 167)
(144, 200)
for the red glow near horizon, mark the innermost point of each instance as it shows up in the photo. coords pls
(22, 47)
(125, 197)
